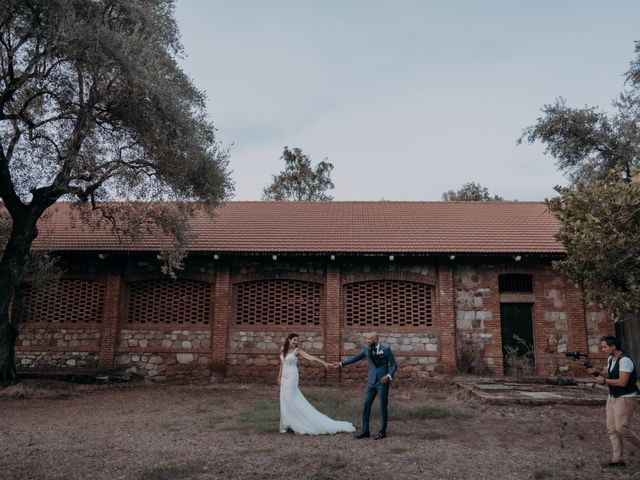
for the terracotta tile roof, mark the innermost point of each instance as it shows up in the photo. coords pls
(337, 227)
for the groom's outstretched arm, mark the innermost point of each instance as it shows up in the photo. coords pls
(354, 359)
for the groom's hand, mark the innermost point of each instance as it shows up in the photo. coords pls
(385, 379)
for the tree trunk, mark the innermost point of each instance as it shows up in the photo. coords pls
(23, 234)
(8, 373)
(631, 336)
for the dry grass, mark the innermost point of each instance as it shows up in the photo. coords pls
(154, 432)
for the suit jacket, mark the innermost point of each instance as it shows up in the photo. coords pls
(381, 362)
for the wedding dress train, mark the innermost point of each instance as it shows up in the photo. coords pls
(296, 412)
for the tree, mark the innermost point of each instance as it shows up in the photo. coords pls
(589, 143)
(600, 228)
(94, 107)
(600, 210)
(470, 192)
(298, 180)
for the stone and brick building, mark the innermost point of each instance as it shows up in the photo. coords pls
(441, 282)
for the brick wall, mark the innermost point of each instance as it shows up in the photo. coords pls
(425, 309)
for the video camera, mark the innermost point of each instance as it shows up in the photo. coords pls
(577, 355)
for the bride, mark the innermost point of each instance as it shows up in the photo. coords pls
(296, 413)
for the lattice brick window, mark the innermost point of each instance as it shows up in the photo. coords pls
(388, 303)
(68, 301)
(168, 301)
(515, 283)
(277, 302)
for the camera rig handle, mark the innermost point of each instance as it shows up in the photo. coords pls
(576, 355)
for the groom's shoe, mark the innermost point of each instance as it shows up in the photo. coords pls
(363, 435)
(380, 436)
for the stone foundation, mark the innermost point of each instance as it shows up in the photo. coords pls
(265, 368)
(60, 360)
(273, 340)
(58, 337)
(167, 366)
(422, 342)
(180, 339)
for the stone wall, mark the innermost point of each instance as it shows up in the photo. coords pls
(416, 354)
(244, 269)
(78, 338)
(424, 343)
(164, 339)
(265, 368)
(465, 307)
(50, 348)
(477, 313)
(167, 366)
(49, 360)
(273, 340)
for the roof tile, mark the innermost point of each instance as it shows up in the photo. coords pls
(334, 227)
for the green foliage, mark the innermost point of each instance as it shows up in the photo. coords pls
(599, 212)
(588, 143)
(471, 357)
(432, 435)
(177, 471)
(299, 180)
(600, 228)
(262, 417)
(427, 412)
(93, 107)
(470, 192)
(543, 473)
(333, 462)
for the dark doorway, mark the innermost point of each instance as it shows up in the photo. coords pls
(517, 338)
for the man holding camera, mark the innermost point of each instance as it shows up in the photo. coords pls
(621, 379)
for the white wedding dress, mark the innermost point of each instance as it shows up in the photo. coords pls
(296, 412)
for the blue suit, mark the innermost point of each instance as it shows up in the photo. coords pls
(381, 363)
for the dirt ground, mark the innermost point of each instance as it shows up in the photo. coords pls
(55, 430)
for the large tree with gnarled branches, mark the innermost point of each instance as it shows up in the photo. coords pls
(94, 107)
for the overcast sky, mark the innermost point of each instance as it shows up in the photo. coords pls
(407, 99)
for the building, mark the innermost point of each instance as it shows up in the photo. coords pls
(450, 286)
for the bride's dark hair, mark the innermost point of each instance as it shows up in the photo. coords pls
(286, 342)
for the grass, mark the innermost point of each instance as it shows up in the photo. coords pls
(333, 462)
(427, 412)
(205, 408)
(172, 472)
(261, 417)
(397, 450)
(346, 408)
(432, 435)
(533, 430)
(214, 421)
(335, 406)
(330, 464)
(542, 474)
(171, 427)
(323, 476)
(264, 416)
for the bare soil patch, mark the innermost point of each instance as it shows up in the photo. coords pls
(137, 431)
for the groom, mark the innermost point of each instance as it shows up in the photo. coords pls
(382, 368)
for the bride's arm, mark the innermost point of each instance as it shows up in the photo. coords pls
(280, 369)
(311, 358)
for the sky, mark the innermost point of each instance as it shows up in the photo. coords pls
(406, 99)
